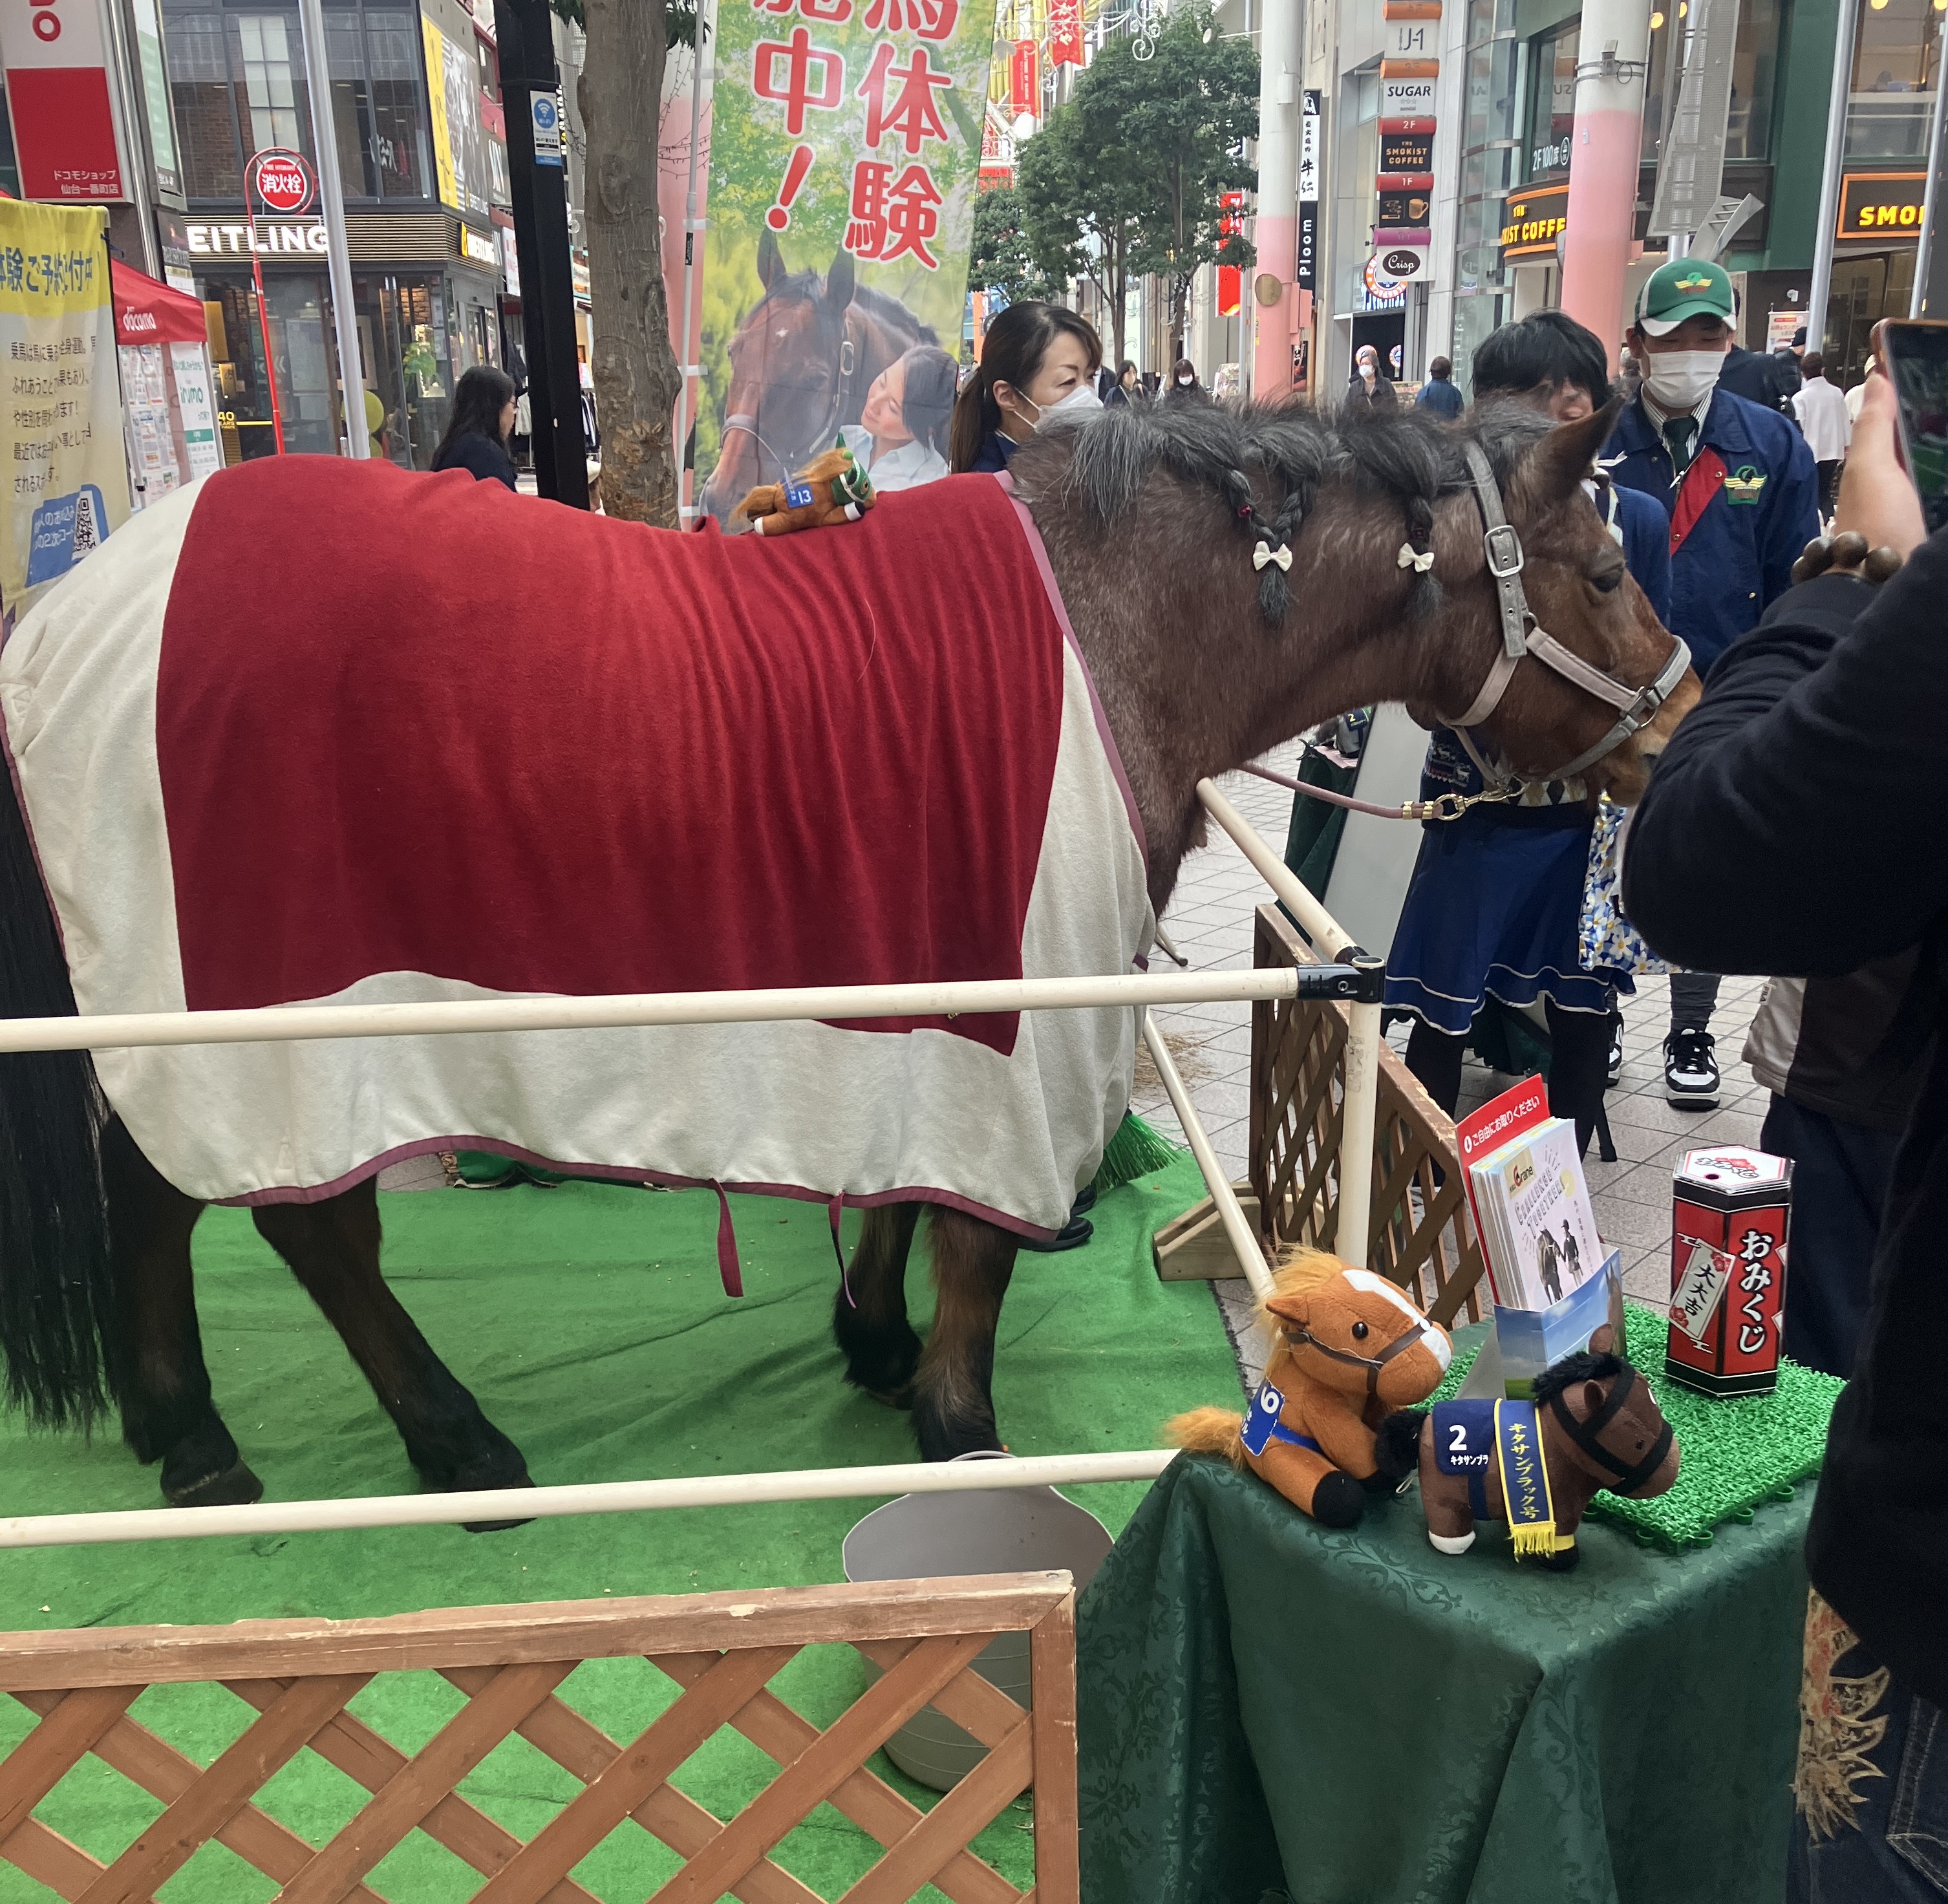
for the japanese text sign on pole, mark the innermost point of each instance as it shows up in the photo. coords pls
(845, 154)
(63, 425)
(282, 182)
(1307, 276)
(66, 136)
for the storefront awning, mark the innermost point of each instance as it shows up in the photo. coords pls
(146, 312)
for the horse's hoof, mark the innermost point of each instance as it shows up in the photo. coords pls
(1450, 1543)
(1563, 1560)
(235, 1487)
(1337, 1501)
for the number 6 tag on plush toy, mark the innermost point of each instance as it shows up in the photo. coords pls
(1267, 1405)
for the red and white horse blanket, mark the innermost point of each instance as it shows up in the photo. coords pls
(313, 731)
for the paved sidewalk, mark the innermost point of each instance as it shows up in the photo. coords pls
(1209, 919)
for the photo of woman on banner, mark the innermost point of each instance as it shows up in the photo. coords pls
(901, 438)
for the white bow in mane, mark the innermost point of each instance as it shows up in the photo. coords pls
(1419, 561)
(1264, 552)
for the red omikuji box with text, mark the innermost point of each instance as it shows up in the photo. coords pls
(1728, 1250)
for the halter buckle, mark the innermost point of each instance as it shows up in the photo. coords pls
(1503, 548)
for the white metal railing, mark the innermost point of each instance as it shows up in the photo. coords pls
(288, 1023)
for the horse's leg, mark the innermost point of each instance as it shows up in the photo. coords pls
(333, 1249)
(155, 1355)
(1444, 1501)
(868, 1314)
(953, 1389)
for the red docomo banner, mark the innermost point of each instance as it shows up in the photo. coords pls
(282, 180)
(57, 91)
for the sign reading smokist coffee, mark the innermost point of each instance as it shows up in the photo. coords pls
(1882, 204)
(1409, 68)
(1535, 219)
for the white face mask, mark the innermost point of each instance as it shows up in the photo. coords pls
(1681, 380)
(1367, 369)
(1184, 382)
(1078, 402)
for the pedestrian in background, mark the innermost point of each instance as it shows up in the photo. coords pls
(1366, 388)
(1184, 387)
(1823, 420)
(1036, 360)
(1439, 393)
(1759, 378)
(1128, 390)
(1857, 395)
(478, 429)
(1743, 497)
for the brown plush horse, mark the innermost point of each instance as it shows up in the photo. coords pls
(831, 489)
(1601, 1428)
(1349, 1347)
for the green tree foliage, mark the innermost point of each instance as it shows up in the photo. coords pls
(1002, 259)
(1127, 178)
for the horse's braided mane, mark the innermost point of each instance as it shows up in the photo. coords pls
(1102, 463)
(1582, 1366)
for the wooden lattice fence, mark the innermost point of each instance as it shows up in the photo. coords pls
(295, 1678)
(1421, 1234)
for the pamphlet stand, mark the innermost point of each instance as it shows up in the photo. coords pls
(1525, 1341)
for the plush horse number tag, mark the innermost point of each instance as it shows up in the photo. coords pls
(1267, 1405)
(798, 495)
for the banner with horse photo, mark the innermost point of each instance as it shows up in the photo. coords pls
(846, 142)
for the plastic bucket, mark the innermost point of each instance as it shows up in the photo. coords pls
(1009, 1531)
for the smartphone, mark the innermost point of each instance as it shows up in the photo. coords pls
(1917, 361)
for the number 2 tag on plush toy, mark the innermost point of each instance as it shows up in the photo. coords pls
(1266, 1406)
(798, 495)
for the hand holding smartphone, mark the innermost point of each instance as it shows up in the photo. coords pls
(1914, 355)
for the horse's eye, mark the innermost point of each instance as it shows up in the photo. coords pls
(1359, 1331)
(1610, 580)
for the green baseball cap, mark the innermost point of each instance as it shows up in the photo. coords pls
(1686, 288)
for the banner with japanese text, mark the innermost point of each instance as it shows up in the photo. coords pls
(63, 412)
(843, 159)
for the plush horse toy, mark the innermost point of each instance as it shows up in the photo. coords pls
(1348, 1347)
(831, 489)
(1592, 1423)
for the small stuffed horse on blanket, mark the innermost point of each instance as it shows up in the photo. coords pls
(831, 489)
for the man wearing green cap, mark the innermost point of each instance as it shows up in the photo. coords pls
(1743, 495)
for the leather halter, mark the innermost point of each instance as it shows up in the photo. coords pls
(1300, 1336)
(1585, 1435)
(844, 370)
(1523, 636)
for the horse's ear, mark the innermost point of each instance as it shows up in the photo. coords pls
(1290, 1309)
(1594, 1395)
(838, 282)
(770, 265)
(1551, 471)
(1602, 1339)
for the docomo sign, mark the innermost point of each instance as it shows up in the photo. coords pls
(282, 180)
(65, 136)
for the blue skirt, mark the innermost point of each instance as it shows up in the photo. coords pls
(1492, 909)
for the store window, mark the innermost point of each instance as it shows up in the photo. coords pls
(404, 338)
(1754, 71)
(237, 80)
(1493, 159)
(295, 308)
(1897, 51)
(1551, 111)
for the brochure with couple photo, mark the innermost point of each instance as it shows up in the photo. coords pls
(1531, 1206)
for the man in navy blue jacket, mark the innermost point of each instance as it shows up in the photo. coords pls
(1743, 495)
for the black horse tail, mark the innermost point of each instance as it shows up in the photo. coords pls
(56, 1289)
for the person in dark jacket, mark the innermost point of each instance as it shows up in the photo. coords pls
(1759, 379)
(1366, 386)
(1439, 393)
(1036, 359)
(1126, 392)
(1184, 388)
(1772, 840)
(477, 431)
(1739, 486)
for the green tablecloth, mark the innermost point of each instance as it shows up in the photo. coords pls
(1270, 1709)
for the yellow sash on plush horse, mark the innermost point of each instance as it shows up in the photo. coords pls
(1525, 1480)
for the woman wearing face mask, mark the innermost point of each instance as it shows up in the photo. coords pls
(901, 438)
(1184, 387)
(1038, 360)
(1367, 389)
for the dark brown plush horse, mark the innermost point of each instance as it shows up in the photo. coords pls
(1601, 1428)
(1294, 566)
(801, 364)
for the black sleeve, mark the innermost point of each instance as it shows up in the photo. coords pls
(1792, 826)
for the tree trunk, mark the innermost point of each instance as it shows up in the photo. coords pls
(636, 379)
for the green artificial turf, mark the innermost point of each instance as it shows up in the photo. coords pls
(1734, 1453)
(589, 1321)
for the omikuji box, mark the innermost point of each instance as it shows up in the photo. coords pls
(1728, 1237)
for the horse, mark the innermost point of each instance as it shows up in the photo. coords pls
(1296, 565)
(1349, 1351)
(801, 365)
(1600, 1428)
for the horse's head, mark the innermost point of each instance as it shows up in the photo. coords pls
(1558, 658)
(1350, 1330)
(1598, 1413)
(791, 378)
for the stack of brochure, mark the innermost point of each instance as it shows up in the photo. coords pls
(1531, 1206)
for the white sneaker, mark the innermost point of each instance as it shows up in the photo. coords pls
(1691, 1069)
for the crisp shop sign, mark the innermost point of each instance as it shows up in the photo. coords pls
(64, 130)
(276, 237)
